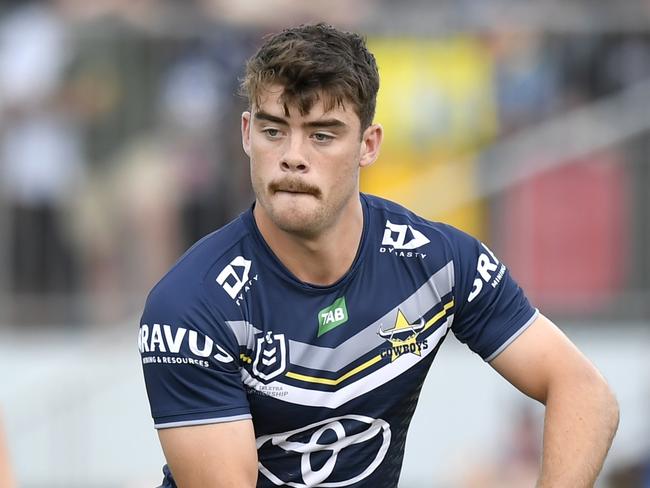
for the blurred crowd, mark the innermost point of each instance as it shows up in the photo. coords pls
(118, 149)
(119, 132)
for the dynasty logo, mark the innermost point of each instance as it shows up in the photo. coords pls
(235, 279)
(403, 338)
(402, 240)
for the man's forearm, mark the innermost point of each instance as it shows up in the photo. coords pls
(579, 426)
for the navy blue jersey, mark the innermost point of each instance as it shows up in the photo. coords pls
(330, 375)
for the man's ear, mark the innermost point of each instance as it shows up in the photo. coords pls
(246, 132)
(370, 144)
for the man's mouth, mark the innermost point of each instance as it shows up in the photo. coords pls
(294, 187)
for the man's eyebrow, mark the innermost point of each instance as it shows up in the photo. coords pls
(271, 118)
(323, 123)
(315, 124)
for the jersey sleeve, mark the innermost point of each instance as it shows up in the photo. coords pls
(190, 360)
(492, 310)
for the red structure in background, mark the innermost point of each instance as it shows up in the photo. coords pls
(565, 234)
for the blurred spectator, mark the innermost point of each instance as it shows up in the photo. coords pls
(113, 75)
(166, 187)
(196, 117)
(525, 78)
(41, 165)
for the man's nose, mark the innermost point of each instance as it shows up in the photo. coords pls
(294, 159)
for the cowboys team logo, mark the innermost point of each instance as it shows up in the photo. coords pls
(270, 356)
(403, 338)
(313, 455)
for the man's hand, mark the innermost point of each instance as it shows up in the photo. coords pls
(212, 456)
(581, 411)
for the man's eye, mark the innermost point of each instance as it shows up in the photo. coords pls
(273, 133)
(320, 137)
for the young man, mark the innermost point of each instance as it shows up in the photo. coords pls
(289, 347)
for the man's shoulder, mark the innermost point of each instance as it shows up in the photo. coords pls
(395, 214)
(202, 263)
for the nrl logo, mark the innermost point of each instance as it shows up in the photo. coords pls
(270, 356)
(403, 338)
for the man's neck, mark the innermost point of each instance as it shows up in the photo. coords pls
(321, 260)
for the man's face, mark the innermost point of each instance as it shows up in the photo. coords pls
(305, 168)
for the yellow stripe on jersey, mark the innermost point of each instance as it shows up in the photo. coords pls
(367, 364)
(327, 381)
(439, 315)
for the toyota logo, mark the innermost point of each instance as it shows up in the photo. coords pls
(361, 442)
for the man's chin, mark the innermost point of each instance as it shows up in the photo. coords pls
(299, 221)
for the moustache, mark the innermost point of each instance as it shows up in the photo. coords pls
(295, 186)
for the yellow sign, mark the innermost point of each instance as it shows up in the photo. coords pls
(436, 103)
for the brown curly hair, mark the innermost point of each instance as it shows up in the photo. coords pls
(310, 60)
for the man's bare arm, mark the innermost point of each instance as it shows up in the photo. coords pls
(212, 456)
(581, 411)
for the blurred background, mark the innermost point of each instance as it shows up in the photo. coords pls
(526, 124)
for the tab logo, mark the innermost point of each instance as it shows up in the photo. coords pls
(234, 278)
(333, 316)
